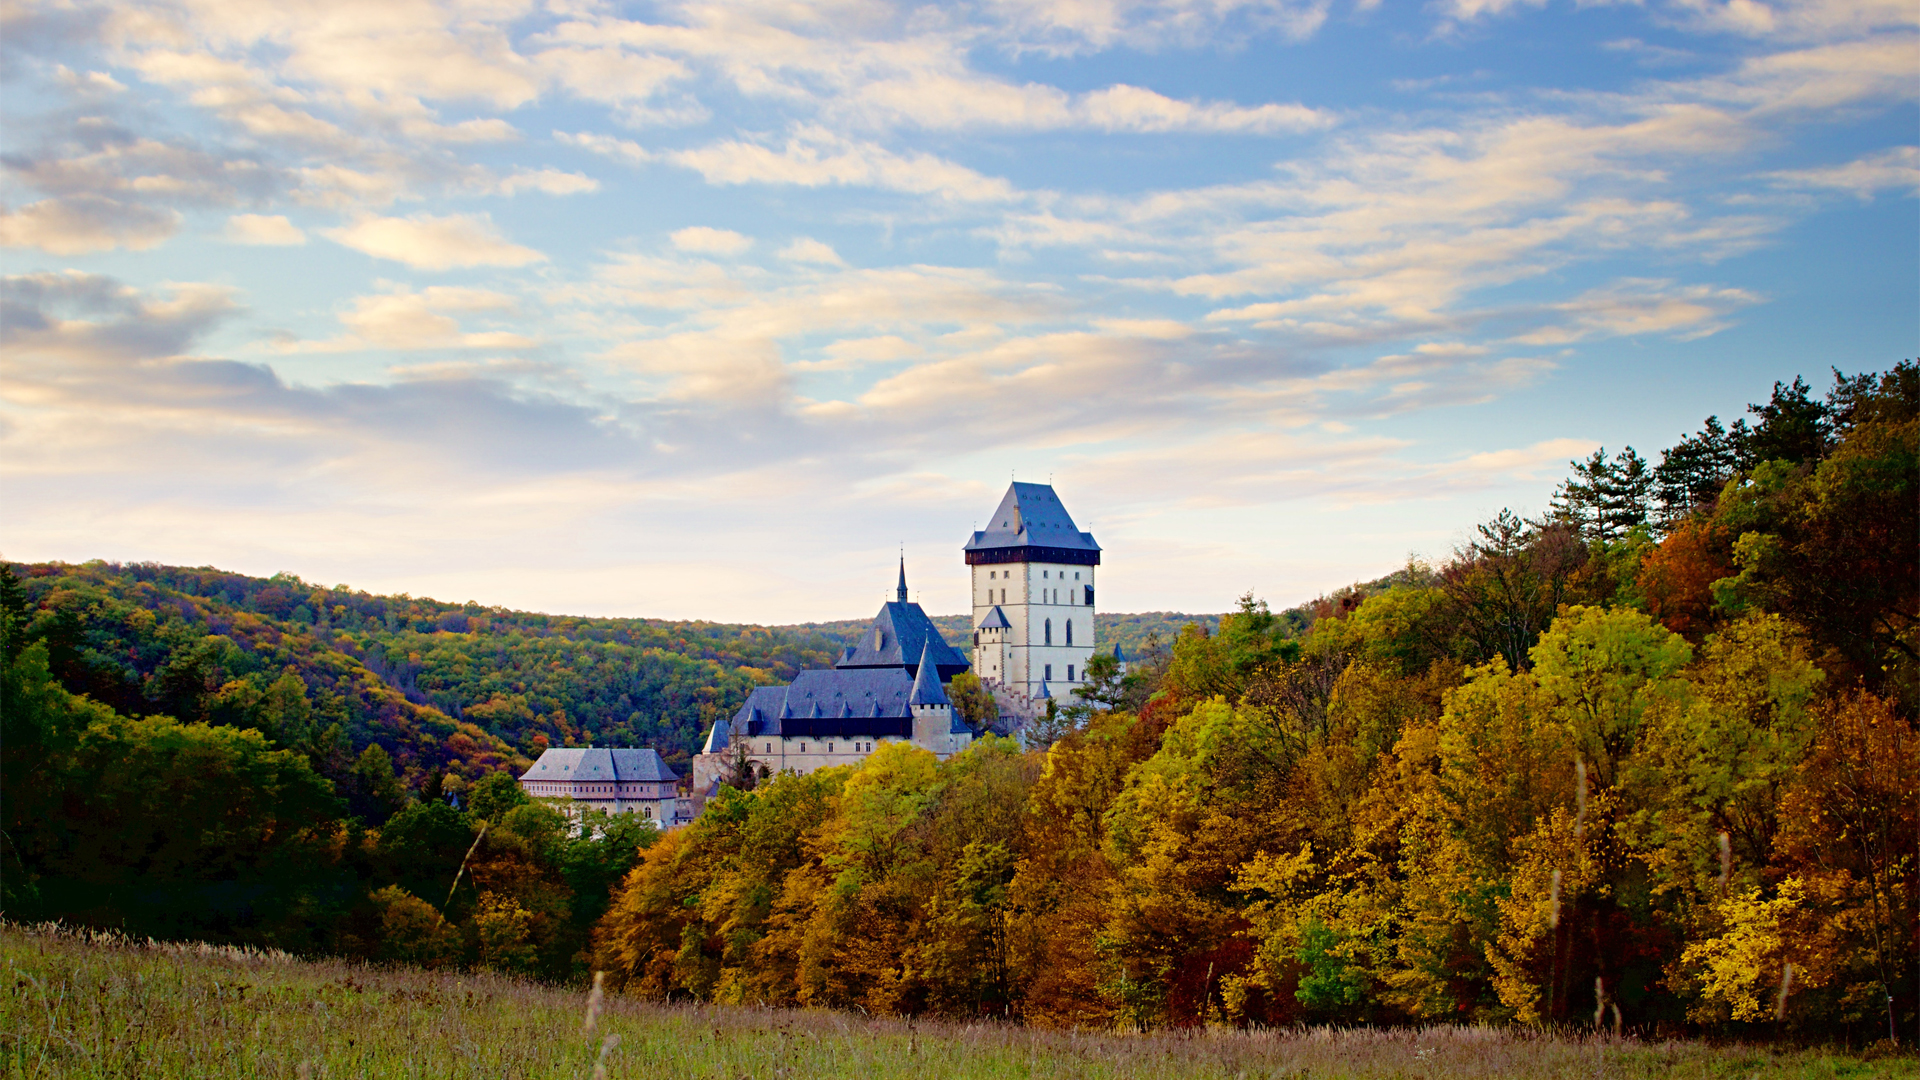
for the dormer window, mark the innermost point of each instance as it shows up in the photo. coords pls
(879, 639)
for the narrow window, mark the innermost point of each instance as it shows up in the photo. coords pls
(1044, 573)
(1049, 632)
(1049, 673)
(1069, 672)
(1069, 641)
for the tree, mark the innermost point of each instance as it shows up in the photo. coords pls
(1793, 427)
(1693, 470)
(413, 931)
(1504, 588)
(1606, 499)
(494, 795)
(972, 701)
(13, 616)
(377, 793)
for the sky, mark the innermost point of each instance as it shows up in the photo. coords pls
(694, 310)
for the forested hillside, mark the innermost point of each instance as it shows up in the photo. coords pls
(461, 688)
(1649, 758)
(458, 687)
(1648, 761)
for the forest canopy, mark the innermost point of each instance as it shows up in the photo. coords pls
(1647, 759)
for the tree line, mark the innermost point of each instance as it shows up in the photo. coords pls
(1646, 761)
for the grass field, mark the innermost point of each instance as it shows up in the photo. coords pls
(88, 1006)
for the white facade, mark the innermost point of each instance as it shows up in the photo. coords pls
(1033, 581)
(619, 781)
(1049, 634)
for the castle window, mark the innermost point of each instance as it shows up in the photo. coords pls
(1049, 632)
(1049, 673)
(1069, 672)
(1044, 573)
(1076, 575)
(1069, 641)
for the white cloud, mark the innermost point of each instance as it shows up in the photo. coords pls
(263, 229)
(1130, 108)
(1896, 169)
(404, 319)
(815, 157)
(427, 242)
(79, 224)
(1637, 307)
(805, 249)
(624, 150)
(546, 181)
(709, 241)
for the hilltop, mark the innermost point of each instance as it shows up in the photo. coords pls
(465, 688)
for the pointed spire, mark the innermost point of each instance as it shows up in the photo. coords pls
(926, 681)
(903, 578)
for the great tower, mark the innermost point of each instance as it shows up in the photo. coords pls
(1033, 595)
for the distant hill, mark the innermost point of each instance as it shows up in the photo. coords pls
(440, 685)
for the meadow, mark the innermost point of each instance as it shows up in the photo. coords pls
(99, 1005)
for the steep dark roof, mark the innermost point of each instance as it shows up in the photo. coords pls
(877, 698)
(905, 633)
(600, 763)
(1030, 524)
(995, 620)
(926, 684)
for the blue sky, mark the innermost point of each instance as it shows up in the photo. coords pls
(704, 310)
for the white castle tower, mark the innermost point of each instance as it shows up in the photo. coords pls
(1033, 591)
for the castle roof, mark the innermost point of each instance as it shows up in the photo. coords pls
(600, 763)
(898, 637)
(849, 702)
(995, 620)
(926, 684)
(1031, 525)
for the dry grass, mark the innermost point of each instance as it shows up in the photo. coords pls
(85, 1005)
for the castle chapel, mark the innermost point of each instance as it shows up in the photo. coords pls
(1033, 592)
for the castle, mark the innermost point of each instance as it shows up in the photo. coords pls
(1033, 604)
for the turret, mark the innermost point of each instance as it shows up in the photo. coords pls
(932, 709)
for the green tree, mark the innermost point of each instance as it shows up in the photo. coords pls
(377, 793)
(972, 700)
(494, 795)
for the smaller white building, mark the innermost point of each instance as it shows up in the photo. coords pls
(617, 781)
